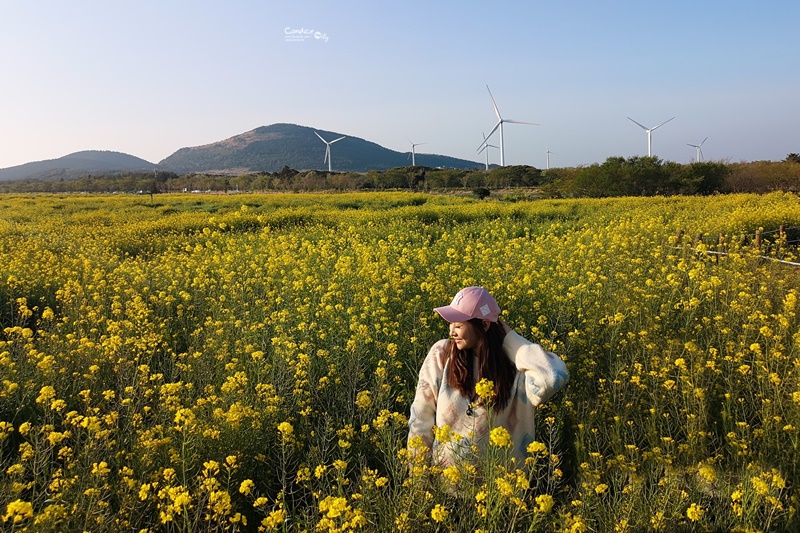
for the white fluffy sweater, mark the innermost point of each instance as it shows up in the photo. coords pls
(539, 376)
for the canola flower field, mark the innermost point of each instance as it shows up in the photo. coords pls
(247, 362)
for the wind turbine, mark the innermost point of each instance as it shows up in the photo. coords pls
(486, 147)
(327, 149)
(699, 151)
(649, 132)
(500, 122)
(414, 153)
(548, 158)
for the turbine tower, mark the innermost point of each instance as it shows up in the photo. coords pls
(328, 149)
(699, 151)
(548, 158)
(414, 153)
(649, 134)
(486, 147)
(500, 122)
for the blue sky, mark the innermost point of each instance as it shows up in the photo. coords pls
(149, 77)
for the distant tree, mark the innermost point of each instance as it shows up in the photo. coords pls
(514, 176)
(415, 176)
(442, 178)
(704, 177)
(339, 181)
(763, 176)
(260, 183)
(481, 192)
(286, 172)
(601, 180)
(636, 176)
(793, 158)
(284, 178)
(393, 178)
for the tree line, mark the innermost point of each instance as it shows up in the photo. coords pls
(617, 176)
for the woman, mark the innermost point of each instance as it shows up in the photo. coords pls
(481, 346)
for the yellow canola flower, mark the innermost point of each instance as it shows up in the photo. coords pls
(274, 519)
(761, 486)
(46, 394)
(246, 486)
(15, 470)
(442, 434)
(500, 437)
(100, 469)
(694, 512)
(485, 389)
(537, 447)
(219, 502)
(333, 506)
(452, 474)
(544, 503)
(505, 488)
(707, 473)
(439, 513)
(364, 399)
(401, 523)
(18, 511)
(287, 431)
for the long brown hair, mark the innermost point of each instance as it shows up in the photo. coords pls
(493, 364)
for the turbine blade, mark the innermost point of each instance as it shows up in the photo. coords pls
(320, 137)
(339, 139)
(496, 111)
(487, 137)
(520, 122)
(654, 127)
(643, 127)
(704, 140)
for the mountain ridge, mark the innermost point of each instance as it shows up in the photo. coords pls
(78, 164)
(263, 149)
(271, 148)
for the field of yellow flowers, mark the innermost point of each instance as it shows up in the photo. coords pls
(246, 363)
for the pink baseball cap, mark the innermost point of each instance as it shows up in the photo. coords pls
(468, 303)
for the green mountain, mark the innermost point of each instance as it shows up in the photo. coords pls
(77, 165)
(271, 148)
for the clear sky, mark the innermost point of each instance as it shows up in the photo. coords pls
(149, 77)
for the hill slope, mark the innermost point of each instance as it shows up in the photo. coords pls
(270, 148)
(77, 165)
